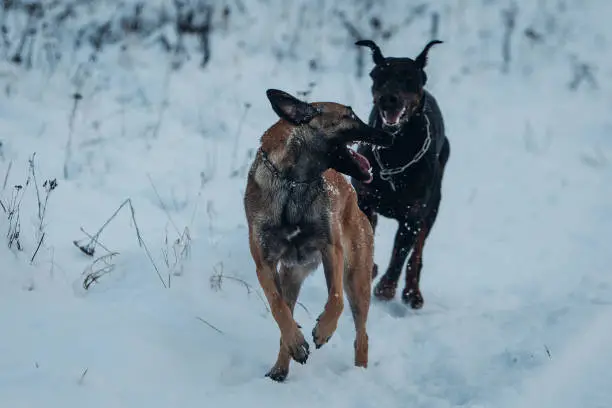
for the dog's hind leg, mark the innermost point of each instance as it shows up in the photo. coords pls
(373, 219)
(404, 239)
(357, 288)
(367, 205)
(358, 282)
(411, 294)
(291, 280)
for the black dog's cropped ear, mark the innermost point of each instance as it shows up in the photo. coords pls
(421, 60)
(376, 54)
(290, 108)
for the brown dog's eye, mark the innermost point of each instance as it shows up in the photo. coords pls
(351, 115)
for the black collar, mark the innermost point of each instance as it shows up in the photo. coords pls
(283, 176)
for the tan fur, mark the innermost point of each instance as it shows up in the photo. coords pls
(347, 256)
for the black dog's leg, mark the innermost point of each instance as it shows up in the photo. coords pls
(412, 293)
(444, 155)
(404, 239)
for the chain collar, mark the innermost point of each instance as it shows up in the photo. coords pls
(283, 177)
(387, 173)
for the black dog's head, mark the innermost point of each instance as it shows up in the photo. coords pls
(397, 85)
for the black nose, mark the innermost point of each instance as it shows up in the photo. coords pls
(389, 101)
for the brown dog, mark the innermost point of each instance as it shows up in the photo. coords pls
(302, 212)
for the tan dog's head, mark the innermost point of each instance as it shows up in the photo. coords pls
(324, 131)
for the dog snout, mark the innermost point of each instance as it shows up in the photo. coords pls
(381, 138)
(377, 137)
(389, 101)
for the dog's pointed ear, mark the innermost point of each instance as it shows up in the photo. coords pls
(421, 59)
(290, 108)
(376, 54)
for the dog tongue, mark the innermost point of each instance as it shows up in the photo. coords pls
(364, 164)
(391, 118)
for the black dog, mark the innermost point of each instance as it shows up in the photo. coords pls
(407, 176)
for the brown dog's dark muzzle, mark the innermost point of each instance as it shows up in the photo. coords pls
(380, 138)
(368, 134)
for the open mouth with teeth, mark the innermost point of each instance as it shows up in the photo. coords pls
(363, 163)
(353, 164)
(392, 117)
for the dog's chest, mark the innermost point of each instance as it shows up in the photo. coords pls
(295, 244)
(296, 229)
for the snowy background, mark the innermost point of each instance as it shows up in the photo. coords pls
(163, 102)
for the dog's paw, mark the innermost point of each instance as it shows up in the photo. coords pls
(413, 298)
(277, 374)
(298, 347)
(385, 289)
(323, 331)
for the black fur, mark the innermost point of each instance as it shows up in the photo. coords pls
(412, 196)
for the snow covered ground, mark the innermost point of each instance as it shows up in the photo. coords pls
(517, 279)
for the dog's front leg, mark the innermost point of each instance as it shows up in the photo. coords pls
(291, 335)
(404, 239)
(333, 265)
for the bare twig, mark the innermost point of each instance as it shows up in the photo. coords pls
(48, 185)
(305, 309)
(95, 271)
(40, 241)
(164, 104)
(89, 249)
(163, 205)
(547, 351)
(435, 25)
(6, 176)
(98, 242)
(68, 157)
(181, 245)
(509, 19)
(211, 213)
(209, 325)
(582, 73)
(33, 171)
(218, 276)
(83, 376)
(13, 209)
(247, 106)
(355, 36)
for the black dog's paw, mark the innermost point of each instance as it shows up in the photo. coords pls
(277, 374)
(413, 298)
(385, 289)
